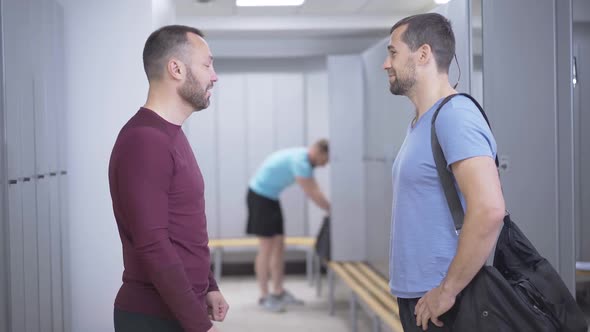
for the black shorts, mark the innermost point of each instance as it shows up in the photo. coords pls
(265, 217)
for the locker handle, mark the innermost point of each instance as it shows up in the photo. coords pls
(26, 179)
(12, 181)
(40, 176)
(63, 172)
(53, 174)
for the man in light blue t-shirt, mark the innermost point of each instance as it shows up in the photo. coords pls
(265, 218)
(429, 262)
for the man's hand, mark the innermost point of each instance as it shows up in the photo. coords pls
(432, 305)
(217, 306)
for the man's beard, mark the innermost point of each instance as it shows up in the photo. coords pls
(193, 93)
(402, 86)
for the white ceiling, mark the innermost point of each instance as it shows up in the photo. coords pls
(309, 7)
(315, 18)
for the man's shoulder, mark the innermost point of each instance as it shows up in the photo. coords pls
(460, 103)
(460, 110)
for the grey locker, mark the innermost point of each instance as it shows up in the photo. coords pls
(27, 113)
(317, 126)
(16, 254)
(582, 106)
(202, 136)
(44, 253)
(347, 170)
(15, 14)
(56, 255)
(60, 90)
(378, 219)
(31, 257)
(290, 130)
(41, 132)
(261, 119)
(538, 183)
(52, 84)
(27, 130)
(65, 252)
(231, 137)
(517, 93)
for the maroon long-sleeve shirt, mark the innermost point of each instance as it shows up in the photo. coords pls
(158, 199)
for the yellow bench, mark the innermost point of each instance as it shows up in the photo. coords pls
(369, 289)
(307, 244)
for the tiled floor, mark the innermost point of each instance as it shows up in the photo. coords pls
(245, 315)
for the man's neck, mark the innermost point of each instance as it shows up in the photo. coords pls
(428, 93)
(171, 109)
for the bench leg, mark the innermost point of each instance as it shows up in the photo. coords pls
(331, 291)
(318, 275)
(309, 265)
(376, 324)
(353, 313)
(217, 257)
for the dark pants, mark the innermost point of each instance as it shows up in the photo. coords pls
(408, 319)
(134, 322)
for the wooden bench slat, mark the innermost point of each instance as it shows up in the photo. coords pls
(384, 315)
(252, 242)
(379, 280)
(385, 297)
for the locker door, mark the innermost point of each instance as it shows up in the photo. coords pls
(232, 155)
(52, 86)
(14, 47)
(347, 149)
(65, 251)
(31, 257)
(44, 253)
(56, 256)
(260, 115)
(27, 113)
(289, 110)
(317, 118)
(16, 254)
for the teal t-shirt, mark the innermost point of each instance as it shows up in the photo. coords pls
(279, 171)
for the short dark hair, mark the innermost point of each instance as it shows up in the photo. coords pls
(432, 29)
(170, 40)
(323, 146)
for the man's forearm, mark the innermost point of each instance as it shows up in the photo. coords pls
(476, 241)
(318, 197)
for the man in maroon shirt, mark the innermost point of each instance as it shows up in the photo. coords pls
(158, 195)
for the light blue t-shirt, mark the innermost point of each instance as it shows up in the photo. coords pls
(279, 171)
(423, 236)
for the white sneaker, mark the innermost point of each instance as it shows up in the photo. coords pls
(272, 303)
(289, 299)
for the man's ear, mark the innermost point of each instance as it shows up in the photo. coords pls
(176, 69)
(424, 54)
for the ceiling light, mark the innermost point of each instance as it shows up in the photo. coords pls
(441, 2)
(260, 3)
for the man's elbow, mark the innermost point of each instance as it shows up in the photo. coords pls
(494, 215)
(489, 218)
